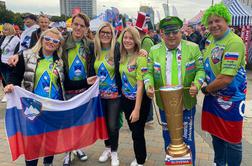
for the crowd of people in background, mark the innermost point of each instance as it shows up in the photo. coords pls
(60, 64)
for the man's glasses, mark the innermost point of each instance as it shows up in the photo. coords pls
(103, 33)
(172, 32)
(55, 41)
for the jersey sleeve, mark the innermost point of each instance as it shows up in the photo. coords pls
(233, 58)
(141, 67)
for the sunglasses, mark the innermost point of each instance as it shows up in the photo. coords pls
(172, 32)
(55, 41)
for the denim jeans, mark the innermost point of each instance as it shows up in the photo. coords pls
(111, 109)
(226, 153)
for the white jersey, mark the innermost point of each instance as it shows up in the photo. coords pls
(25, 37)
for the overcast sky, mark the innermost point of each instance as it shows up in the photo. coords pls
(185, 8)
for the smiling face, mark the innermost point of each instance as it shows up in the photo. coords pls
(172, 39)
(50, 42)
(43, 23)
(105, 35)
(217, 26)
(128, 42)
(79, 28)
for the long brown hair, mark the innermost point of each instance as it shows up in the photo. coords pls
(136, 37)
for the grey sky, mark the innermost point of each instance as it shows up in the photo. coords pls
(186, 8)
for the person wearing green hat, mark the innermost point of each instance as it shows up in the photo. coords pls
(175, 62)
(224, 102)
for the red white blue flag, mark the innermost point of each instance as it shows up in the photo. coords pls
(38, 127)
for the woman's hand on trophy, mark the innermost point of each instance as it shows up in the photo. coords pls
(193, 91)
(134, 116)
(150, 92)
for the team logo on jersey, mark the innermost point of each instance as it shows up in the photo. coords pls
(224, 104)
(31, 107)
(216, 54)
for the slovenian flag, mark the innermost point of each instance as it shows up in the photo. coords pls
(38, 127)
(232, 56)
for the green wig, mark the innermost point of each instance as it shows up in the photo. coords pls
(217, 10)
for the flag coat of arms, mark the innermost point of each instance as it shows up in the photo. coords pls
(38, 127)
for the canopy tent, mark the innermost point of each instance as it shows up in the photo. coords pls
(196, 19)
(241, 14)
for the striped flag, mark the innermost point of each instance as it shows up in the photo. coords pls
(38, 127)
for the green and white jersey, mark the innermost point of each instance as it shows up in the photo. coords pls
(130, 74)
(105, 70)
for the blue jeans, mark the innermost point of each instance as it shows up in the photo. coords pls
(226, 153)
(188, 119)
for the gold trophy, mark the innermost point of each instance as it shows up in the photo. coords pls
(172, 99)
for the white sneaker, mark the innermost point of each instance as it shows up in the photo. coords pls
(114, 159)
(4, 99)
(105, 155)
(134, 163)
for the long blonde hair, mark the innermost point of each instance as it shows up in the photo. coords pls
(38, 45)
(136, 37)
(97, 42)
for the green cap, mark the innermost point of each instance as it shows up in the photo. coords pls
(170, 23)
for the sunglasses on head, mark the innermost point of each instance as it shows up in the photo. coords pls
(175, 32)
(55, 41)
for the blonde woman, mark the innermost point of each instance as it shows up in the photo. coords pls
(107, 55)
(9, 45)
(41, 70)
(134, 100)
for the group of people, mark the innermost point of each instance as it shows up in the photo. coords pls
(131, 69)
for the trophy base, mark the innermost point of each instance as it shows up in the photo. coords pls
(185, 160)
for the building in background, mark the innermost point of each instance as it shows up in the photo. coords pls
(247, 2)
(2, 3)
(149, 11)
(68, 7)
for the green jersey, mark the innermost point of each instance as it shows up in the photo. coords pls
(47, 79)
(130, 74)
(105, 70)
(77, 63)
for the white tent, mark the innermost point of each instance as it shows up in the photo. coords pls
(241, 15)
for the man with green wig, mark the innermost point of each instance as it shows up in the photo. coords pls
(224, 102)
(175, 62)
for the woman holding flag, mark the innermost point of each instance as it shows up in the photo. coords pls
(41, 70)
(135, 101)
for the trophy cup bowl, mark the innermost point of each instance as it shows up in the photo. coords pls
(172, 99)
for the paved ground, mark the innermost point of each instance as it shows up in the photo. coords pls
(154, 140)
